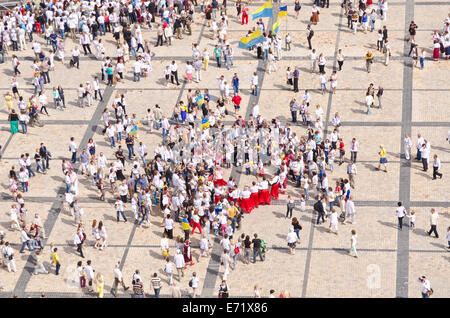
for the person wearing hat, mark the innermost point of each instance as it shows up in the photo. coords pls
(383, 159)
(178, 259)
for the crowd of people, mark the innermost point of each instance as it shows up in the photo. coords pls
(183, 179)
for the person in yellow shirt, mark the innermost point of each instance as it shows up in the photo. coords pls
(100, 284)
(56, 261)
(9, 104)
(232, 213)
(383, 159)
(369, 61)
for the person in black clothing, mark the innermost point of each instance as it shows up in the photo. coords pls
(130, 145)
(127, 36)
(45, 155)
(385, 33)
(297, 227)
(120, 155)
(296, 74)
(412, 31)
(38, 159)
(257, 248)
(310, 34)
(318, 206)
(12, 173)
(349, 17)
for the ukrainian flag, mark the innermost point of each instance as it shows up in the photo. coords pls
(282, 12)
(205, 123)
(200, 100)
(264, 12)
(276, 26)
(134, 130)
(249, 41)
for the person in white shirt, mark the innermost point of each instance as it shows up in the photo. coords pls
(424, 154)
(436, 167)
(168, 269)
(73, 149)
(254, 84)
(137, 70)
(119, 209)
(353, 244)
(369, 102)
(426, 287)
(75, 57)
(354, 145)
(401, 213)
(179, 264)
(350, 209)
(291, 239)
(194, 282)
(407, 144)
(118, 279)
(89, 270)
(433, 222)
(419, 144)
(8, 255)
(351, 172)
(174, 72)
(85, 40)
(333, 221)
(323, 82)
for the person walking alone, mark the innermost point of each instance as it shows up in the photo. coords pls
(436, 167)
(353, 245)
(433, 222)
(401, 213)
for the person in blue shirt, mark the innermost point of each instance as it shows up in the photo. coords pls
(54, 41)
(236, 83)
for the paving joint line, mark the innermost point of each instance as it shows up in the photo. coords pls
(402, 271)
(212, 271)
(55, 209)
(327, 122)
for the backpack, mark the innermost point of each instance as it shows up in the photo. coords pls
(317, 206)
(236, 250)
(311, 33)
(190, 282)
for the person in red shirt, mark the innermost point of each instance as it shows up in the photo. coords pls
(237, 102)
(341, 151)
(245, 15)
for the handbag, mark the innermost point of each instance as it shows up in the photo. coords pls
(190, 282)
(430, 292)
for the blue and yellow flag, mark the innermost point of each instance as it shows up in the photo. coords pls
(205, 123)
(276, 26)
(282, 12)
(199, 100)
(264, 12)
(134, 130)
(249, 41)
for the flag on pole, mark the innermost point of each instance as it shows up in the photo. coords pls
(276, 26)
(249, 41)
(282, 12)
(264, 12)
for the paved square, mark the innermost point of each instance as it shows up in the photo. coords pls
(415, 102)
